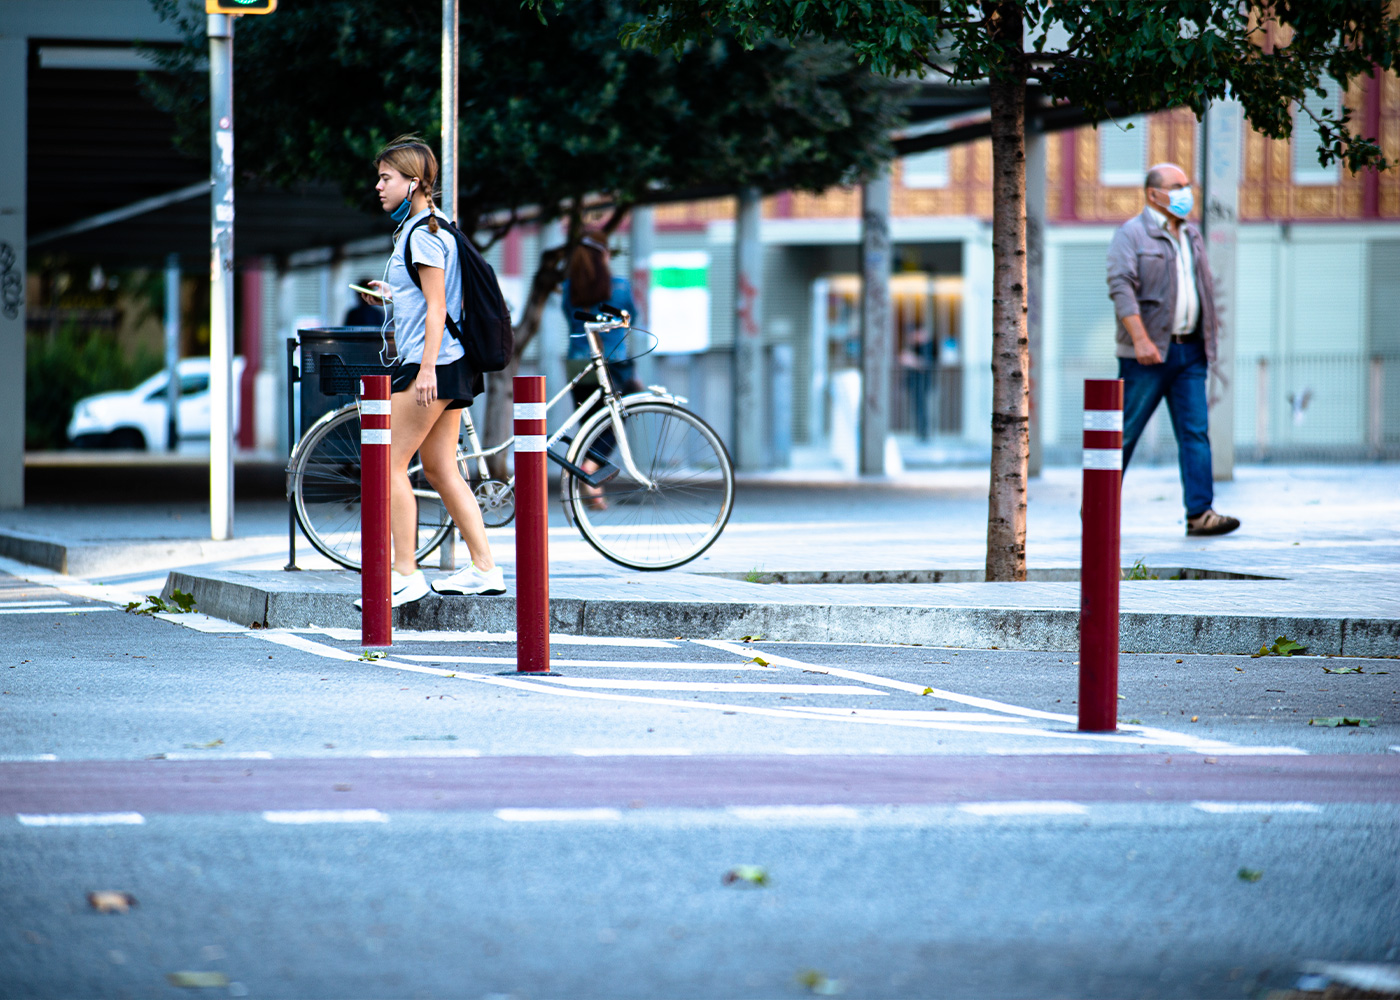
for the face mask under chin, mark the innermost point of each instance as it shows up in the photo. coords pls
(404, 210)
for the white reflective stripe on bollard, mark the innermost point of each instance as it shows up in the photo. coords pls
(1105, 459)
(529, 442)
(373, 435)
(375, 407)
(529, 411)
(1103, 420)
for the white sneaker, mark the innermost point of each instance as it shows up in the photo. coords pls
(472, 581)
(404, 589)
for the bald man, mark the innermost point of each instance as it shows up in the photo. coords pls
(1161, 288)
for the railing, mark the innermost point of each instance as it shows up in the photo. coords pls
(1317, 406)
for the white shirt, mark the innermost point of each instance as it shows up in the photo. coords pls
(1188, 300)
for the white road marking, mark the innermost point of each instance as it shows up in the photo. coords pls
(217, 755)
(632, 685)
(67, 608)
(1126, 733)
(899, 713)
(555, 662)
(301, 816)
(200, 622)
(1225, 808)
(767, 814)
(1048, 808)
(27, 758)
(81, 819)
(558, 815)
(29, 604)
(404, 635)
(732, 708)
(631, 752)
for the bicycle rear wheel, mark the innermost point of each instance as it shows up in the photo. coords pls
(325, 489)
(685, 509)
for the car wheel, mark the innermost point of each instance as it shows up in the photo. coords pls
(89, 442)
(127, 439)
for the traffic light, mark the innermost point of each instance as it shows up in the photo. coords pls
(239, 6)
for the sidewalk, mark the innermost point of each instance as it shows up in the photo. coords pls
(1318, 560)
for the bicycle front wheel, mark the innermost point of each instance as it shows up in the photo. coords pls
(682, 512)
(325, 488)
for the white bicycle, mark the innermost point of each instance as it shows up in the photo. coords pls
(648, 483)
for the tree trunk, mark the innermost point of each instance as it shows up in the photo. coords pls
(1006, 501)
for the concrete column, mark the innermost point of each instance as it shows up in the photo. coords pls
(1221, 142)
(642, 238)
(220, 29)
(14, 84)
(876, 351)
(1035, 283)
(748, 334)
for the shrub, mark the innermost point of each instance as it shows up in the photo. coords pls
(61, 369)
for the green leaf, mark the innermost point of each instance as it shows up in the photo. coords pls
(197, 980)
(1343, 720)
(1249, 874)
(1342, 670)
(184, 601)
(370, 655)
(749, 874)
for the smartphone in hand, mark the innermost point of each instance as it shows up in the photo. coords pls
(372, 293)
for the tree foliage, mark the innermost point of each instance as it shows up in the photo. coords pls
(549, 113)
(1105, 56)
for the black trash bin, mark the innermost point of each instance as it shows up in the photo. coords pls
(356, 346)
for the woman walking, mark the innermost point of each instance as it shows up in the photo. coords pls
(431, 380)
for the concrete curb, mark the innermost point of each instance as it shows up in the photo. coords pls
(310, 599)
(130, 556)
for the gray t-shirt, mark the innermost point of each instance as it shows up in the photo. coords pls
(409, 310)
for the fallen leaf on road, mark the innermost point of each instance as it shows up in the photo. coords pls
(109, 901)
(1249, 874)
(204, 746)
(1342, 670)
(1240, 669)
(748, 874)
(370, 655)
(197, 980)
(1195, 718)
(820, 984)
(1342, 720)
(447, 737)
(926, 691)
(1283, 646)
(757, 659)
(1122, 697)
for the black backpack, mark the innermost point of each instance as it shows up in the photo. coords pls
(485, 332)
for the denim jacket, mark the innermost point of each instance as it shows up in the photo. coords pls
(1142, 281)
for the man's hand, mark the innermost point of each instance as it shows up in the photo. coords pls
(1143, 348)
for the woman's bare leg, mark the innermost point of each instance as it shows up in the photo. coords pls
(411, 423)
(439, 454)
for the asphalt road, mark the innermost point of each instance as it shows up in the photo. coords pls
(304, 823)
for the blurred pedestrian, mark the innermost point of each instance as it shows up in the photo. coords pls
(919, 360)
(1161, 287)
(425, 397)
(588, 284)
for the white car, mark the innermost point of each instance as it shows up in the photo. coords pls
(136, 418)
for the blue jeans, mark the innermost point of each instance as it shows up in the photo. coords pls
(1181, 378)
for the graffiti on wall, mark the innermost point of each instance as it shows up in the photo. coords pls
(11, 283)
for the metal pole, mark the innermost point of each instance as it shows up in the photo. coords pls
(875, 349)
(1099, 572)
(376, 614)
(220, 28)
(531, 528)
(172, 351)
(451, 28)
(748, 333)
(642, 242)
(1035, 285)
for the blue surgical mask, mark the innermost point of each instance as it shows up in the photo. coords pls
(1180, 202)
(405, 208)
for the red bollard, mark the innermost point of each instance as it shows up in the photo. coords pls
(376, 616)
(1099, 572)
(531, 528)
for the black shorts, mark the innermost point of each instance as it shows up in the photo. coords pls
(456, 382)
